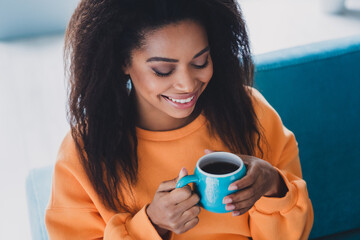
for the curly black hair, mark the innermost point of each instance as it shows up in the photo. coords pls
(99, 40)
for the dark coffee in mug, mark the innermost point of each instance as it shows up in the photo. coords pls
(220, 167)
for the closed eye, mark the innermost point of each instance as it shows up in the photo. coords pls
(202, 66)
(160, 74)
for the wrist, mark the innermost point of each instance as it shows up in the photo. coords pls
(164, 233)
(279, 188)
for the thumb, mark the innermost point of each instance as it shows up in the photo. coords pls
(207, 151)
(183, 172)
(171, 184)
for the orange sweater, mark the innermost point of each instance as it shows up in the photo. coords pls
(75, 211)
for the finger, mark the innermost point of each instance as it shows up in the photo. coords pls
(183, 172)
(179, 195)
(167, 186)
(191, 213)
(170, 185)
(207, 151)
(248, 180)
(188, 203)
(241, 195)
(241, 211)
(190, 224)
(237, 206)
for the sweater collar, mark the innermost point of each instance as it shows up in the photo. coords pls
(172, 134)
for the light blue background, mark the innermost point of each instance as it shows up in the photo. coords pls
(28, 18)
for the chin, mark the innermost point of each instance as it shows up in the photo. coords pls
(181, 114)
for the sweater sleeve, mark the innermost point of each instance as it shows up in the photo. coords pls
(75, 211)
(125, 226)
(289, 217)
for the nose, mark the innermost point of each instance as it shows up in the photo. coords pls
(185, 82)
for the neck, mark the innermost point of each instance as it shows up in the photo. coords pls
(166, 123)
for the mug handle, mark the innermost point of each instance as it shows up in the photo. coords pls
(186, 180)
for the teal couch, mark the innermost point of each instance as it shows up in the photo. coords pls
(316, 90)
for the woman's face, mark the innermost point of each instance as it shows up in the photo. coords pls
(169, 73)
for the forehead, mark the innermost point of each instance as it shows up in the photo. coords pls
(180, 40)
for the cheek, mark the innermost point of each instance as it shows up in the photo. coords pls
(207, 74)
(150, 85)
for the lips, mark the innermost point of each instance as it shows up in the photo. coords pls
(181, 97)
(183, 101)
(186, 100)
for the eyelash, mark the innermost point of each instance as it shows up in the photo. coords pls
(196, 66)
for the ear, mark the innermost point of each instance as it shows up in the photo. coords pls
(126, 70)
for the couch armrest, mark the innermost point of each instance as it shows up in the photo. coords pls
(38, 187)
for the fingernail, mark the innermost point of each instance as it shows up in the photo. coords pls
(182, 173)
(227, 200)
(235, 213)
(229, 207)
(232, 187)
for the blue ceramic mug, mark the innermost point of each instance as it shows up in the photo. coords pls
(213, 174)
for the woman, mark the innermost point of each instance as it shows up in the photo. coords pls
(190, 70)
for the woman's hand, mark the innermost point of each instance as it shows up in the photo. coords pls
(261, 179)
(174, 209)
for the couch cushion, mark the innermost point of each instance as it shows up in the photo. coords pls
(315, 88)
(24, 18)
(348, 235)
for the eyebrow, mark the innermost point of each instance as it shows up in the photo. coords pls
(175, 60)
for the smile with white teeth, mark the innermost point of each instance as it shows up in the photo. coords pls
(181, 100)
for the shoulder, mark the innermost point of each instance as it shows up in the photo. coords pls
(263, 110)
(68, 155)
(277, 137)
(71, 187)
(69, 169)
